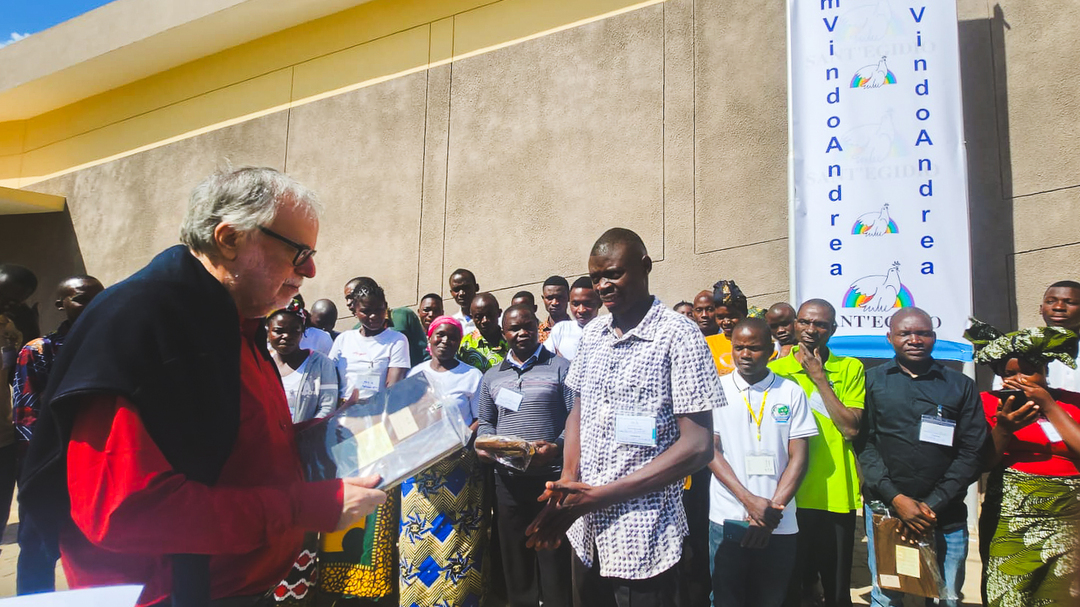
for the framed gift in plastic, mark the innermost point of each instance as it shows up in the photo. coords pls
(396, 433)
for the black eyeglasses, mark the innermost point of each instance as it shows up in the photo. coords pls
(303, 252)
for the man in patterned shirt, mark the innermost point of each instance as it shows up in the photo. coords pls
(484, 347)
(35, 569)
(641, 424)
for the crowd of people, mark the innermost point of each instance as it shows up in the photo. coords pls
(711, 453)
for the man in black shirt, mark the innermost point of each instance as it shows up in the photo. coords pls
(924, 430)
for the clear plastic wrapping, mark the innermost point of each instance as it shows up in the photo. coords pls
(904, 565)
(395, 434)
(510, 451)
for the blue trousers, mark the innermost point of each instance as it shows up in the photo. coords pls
(36, 567)
(750, 577)
(952, 548)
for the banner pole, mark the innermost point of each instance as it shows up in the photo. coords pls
(792, 278)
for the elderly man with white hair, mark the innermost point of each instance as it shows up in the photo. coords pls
(165, 454)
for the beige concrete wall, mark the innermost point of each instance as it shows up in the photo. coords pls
(669, 119)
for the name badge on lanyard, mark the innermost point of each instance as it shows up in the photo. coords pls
(760, 462)
(1050, 431)
(937, 430)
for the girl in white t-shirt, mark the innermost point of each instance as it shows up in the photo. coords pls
(371, 357)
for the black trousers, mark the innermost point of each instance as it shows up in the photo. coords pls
(693, 567)
(593, 590)
(530, 574)
(824, 546)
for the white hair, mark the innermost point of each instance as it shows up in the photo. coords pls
(244, 198)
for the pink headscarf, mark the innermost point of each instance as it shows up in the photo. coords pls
(444, 320)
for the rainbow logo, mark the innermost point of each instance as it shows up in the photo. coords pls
(854, 299)
(860, 81)
(873, 76)
(862, 228)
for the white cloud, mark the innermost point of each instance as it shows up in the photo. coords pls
(14, 37)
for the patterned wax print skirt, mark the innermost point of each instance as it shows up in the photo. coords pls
(1029, 536)
(443, 533)
(358, 563)
(298, 587)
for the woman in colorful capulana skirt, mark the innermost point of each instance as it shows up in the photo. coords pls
(443, 526)
(311, 387)
(1029, 531)
(356, 566)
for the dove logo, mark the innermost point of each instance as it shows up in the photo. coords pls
(875, 224)
(874, 142)
(873, 76)
(879, 293)
(869, 21)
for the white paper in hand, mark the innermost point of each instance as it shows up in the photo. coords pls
(107, 596)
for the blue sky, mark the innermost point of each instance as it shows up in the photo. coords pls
(21, 17)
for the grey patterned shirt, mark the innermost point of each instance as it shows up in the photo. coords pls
(661, 368)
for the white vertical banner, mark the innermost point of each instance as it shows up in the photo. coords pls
(879, 209)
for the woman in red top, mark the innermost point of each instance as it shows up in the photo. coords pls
(1028, 529)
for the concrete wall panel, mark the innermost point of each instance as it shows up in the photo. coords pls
(741, 132)
(759, 269)
(433, 278)
(1047, 220)
(1040, 48)
(363, 152)
(1036, 270)
(126, 211)
(552, 141)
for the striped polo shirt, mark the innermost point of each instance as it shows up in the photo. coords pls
(545, 403)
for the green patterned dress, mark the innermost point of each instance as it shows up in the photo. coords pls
(1031, 556)
(1029, 531)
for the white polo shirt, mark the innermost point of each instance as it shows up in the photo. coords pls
(467, 324)
(564, 338)
(786, 416)
(317, 340)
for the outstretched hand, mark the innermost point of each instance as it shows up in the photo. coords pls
(567, 501)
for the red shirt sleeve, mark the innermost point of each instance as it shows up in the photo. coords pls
(126, 497)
